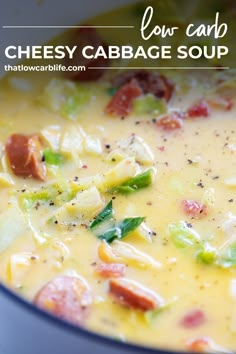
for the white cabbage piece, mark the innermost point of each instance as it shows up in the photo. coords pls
(72, 140)
(209, 197)
(12, 224)
(76, 142)
(20, 84)
(119, 174)
(137, 147)
(120, 251)
(18, 266)
(92, 145)
(6, 180)
(51, 135)
(82, 208)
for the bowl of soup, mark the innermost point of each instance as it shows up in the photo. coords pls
(117, 183)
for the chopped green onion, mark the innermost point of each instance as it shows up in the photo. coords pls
(52, 157)
(183, 236)
(105, 214)
(122, 229)
(140, 181)
(206, 254)
(149, 104)
(129, 224)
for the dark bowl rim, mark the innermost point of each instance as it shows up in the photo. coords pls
(69, 327)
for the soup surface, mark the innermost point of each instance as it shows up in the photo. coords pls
(117, 198)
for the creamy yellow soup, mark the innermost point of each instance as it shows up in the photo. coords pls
(184, 251)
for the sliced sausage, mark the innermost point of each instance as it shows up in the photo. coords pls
(193, 319)
(24, 153)
(121, 102)
(86, 37)
(199, 109)
(170, 122)
(132, 294)
(115, 270)
(150, 82)
(194, 209)
(66, 297)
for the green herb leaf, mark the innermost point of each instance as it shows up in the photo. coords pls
(149, 104)
(122, 229)
(105, 214)
(52, 157)
(183, 236)
(140, 181)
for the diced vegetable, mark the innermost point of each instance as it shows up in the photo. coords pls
(182, 235)
(20, 84)
(76, 102)
(55, 93)
(92, 145)
(72, 141)
(52, 157)
(206, 254)
(208, 198)
(18, 266)
(12, 224)
(66, 98)
(57, 193)
(152, 315)
(122, 172)
(121, 252)
(149, 104)
(227, 258)
(82, 208)
(51, 136)
(136, 183)
(134, 146)
(144, 232)
(105, 214)
(6, 179)
(122, 229)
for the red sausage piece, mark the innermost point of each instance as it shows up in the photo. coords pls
(66, 297)
(150, 82)
(87, 37)
(121, 102)
(132, 294)
(106, 270)
(24, 153)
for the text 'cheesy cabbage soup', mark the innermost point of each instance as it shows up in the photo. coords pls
(117, 196)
